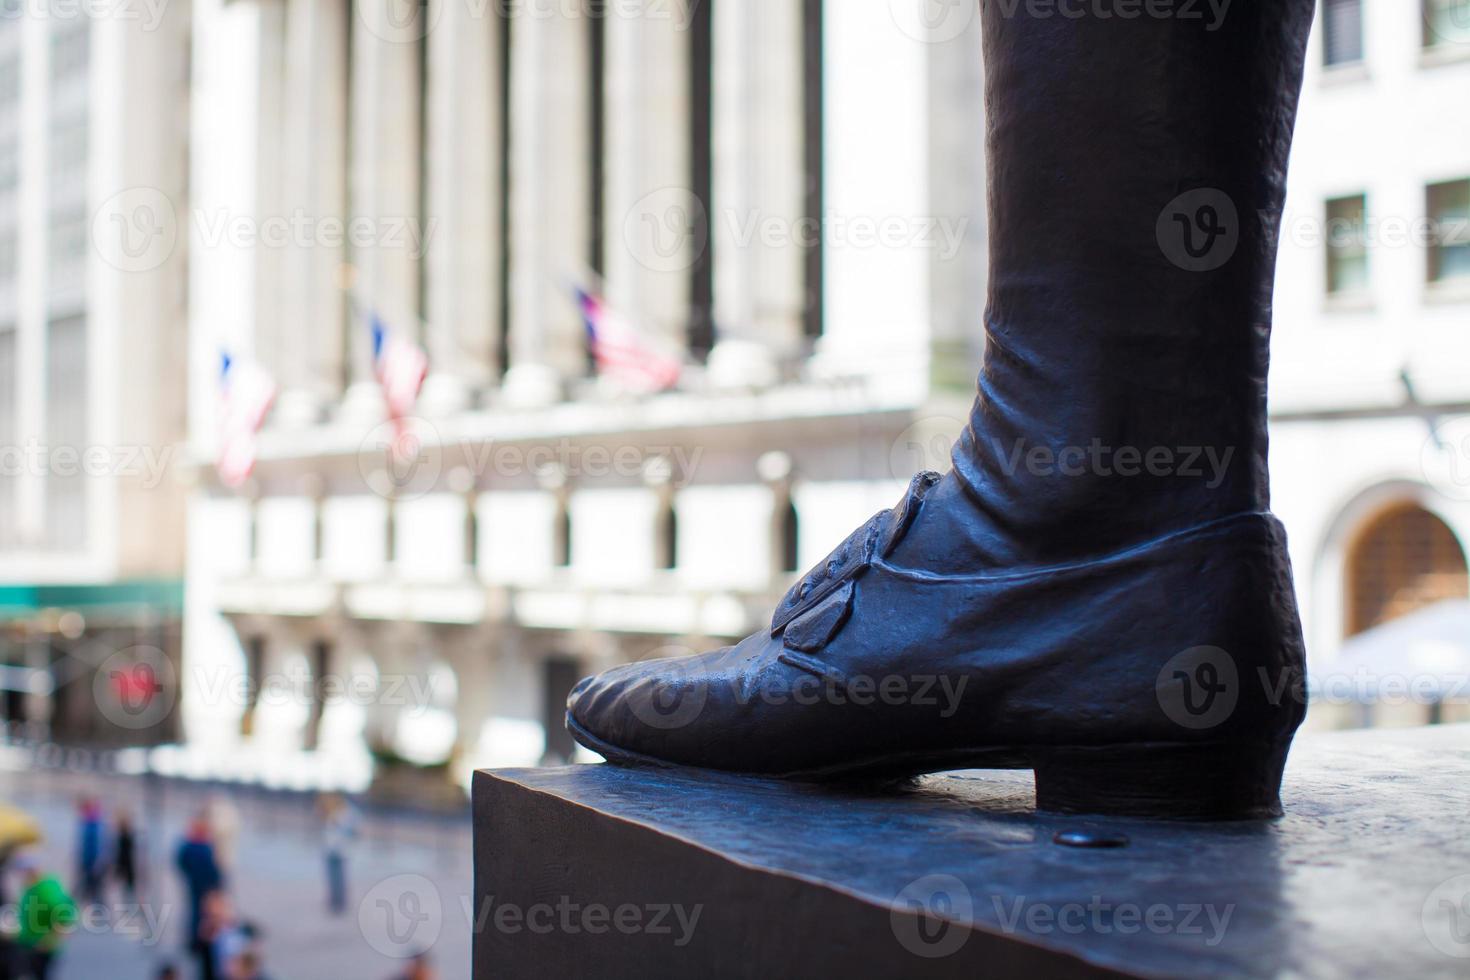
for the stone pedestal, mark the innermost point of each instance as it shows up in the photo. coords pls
(608, 872)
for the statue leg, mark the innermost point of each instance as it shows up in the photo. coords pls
(1097, 589)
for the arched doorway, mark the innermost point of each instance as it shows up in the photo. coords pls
(1403, 559)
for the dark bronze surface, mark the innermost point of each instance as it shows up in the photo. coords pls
(798, 878)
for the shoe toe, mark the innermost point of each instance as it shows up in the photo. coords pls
(641, 709)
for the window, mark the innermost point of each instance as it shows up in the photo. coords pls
(1448, 207)
(1403, 560)
(1446, 22)
(1342, 32)
(1347, 246)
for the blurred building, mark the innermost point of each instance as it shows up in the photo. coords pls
(1370, 393)
(788, 193)
(93, 128)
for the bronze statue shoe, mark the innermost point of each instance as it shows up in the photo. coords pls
(1079, 595)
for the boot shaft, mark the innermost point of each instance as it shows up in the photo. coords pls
(1137, 176)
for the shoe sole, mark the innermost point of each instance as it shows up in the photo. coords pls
(1157, 780)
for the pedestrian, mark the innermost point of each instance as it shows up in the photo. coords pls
(418, 968)
(196, 863)
(91, 851)
(224, 831)
(246, 966)
(339, 827)
(45, 915)
(125, 855)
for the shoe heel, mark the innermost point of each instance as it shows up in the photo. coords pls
(1163, 780)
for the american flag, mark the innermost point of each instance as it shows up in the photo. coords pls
(246, 395)
(400, 366)
(621, 352)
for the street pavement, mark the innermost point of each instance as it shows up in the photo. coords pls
(409, 885)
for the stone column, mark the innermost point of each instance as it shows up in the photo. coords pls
(550, 223)
(877, 258)
(383, 174)
(276, 343)
(757, 225)
(462, 227)
(652, 240)
(313, 309)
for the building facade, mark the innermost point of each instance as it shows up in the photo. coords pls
(93, 135)
(1369, 394)
(455, 171)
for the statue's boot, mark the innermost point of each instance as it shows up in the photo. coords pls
(1097, 589)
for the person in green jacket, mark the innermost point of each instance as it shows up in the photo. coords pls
(45, 916)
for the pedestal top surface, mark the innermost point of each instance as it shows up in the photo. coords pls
(1367, 874)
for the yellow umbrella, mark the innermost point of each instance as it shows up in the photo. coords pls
(17, 828)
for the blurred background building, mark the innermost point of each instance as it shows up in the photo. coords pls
(92, 369)
(815, 261)
(1369, 389)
